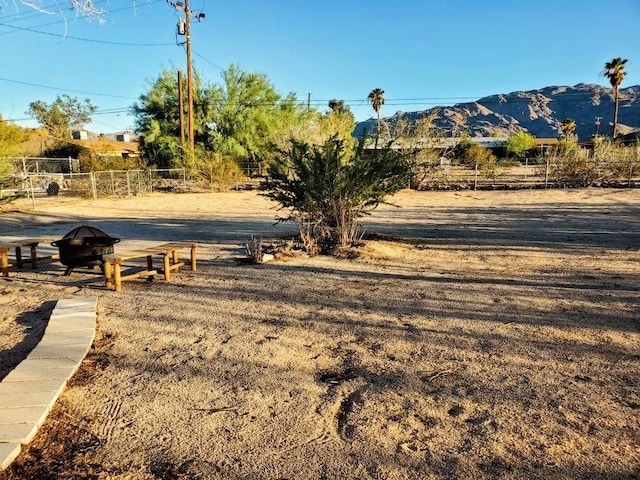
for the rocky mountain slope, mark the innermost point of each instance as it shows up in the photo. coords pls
(539, 112)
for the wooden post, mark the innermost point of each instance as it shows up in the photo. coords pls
(34, 256)
(107, 273)
(117, 275)
(19, 257)
(4, 261)
(167, 267)
(193, 257)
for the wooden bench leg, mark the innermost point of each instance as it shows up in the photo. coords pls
(167, 266)
(19, 257)
(150, 267)
(4, 262)
(193, 258)
(107, 274)
(34, 257)
(116, 276)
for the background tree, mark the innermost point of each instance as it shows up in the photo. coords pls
(157, 119)
(249, 115)
(567, 128)
(483, 161)
(327, 189)
(376, 98)
(11, 136)
(615, 72)
(520, 143)
(240, 118)
(63, 115)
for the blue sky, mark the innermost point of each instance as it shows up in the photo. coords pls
(421, 52)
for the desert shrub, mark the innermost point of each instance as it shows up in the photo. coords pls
(218, 172)
(91, 162)
(566, 165)
(509, 162)
(326, 189)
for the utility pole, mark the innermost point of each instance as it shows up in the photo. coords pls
(184, 28)
(598, 119)
(181, 111)
(187, 15)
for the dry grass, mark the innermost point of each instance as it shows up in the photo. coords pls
(500, 339)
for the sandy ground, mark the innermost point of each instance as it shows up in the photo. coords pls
(482, 335)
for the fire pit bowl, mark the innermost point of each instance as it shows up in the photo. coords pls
(84, 247)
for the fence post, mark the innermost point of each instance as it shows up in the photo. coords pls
(33, 194)
(526, 167)
(150, 183)
(475, 177)
(128, 185)
(94, 189)
(184, 177)
(546, 174)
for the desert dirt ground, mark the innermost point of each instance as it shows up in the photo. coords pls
(476, 335)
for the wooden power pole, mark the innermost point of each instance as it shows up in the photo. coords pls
(187, 14)
(181, 111)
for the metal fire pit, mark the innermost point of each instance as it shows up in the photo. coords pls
(84, 247)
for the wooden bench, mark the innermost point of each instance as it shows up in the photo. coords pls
(112, 263)
(17, 245)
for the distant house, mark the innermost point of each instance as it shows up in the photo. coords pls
(80, 135)
(105, 148)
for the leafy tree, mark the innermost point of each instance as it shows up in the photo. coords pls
(337, 122)
(11, 136)
(157, 120)
(63, 115)
(240, 118)
(376, 98)
(520, 143)
(615, 72)
(327, 189)
(248, 114)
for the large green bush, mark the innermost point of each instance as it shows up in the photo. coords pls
(326, 189)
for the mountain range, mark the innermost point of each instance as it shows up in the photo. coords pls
(539, 112)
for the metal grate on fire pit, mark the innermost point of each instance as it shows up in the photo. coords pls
(83, 247)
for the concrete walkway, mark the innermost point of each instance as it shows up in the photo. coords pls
(28, 393)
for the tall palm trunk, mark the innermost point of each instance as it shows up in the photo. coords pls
(615, 112)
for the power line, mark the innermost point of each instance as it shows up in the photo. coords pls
(90, 40)
(208, 61)
(66, 89)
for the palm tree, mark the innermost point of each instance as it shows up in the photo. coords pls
(614, 71)
(568, 127)
(376, 97)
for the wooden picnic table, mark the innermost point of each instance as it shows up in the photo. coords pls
(113, 262)
(32, 243)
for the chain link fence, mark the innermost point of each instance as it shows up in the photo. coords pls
(112, 183)
(529, 173)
